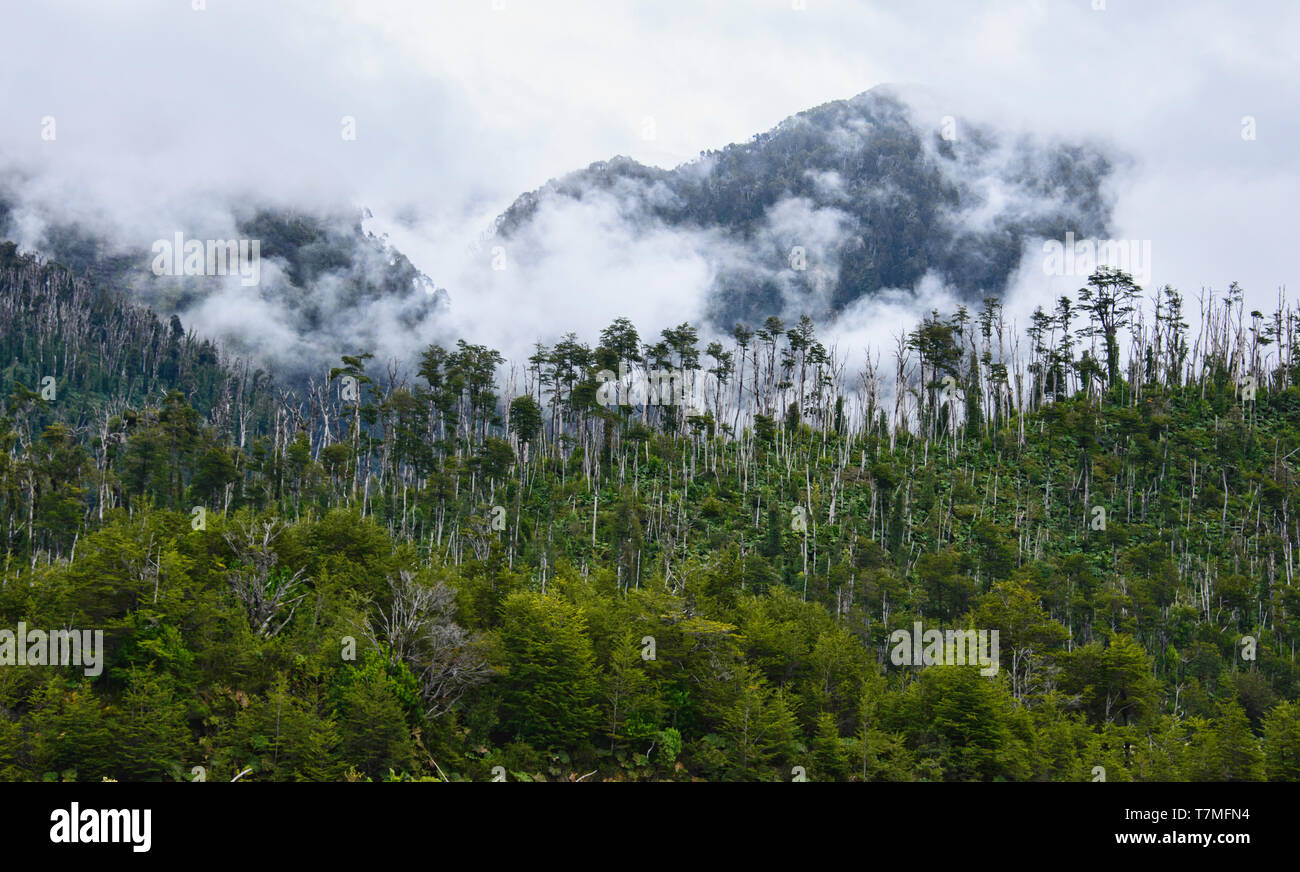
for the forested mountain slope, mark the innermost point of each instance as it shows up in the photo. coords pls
(433, 577)
(319, 283)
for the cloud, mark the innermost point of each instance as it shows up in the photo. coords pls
(169, 118)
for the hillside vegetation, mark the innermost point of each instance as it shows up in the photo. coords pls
(477, 572)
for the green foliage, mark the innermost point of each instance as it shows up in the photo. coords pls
(612, 592)
(551, 683)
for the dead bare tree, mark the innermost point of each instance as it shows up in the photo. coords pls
(265, 588)
(419, 629)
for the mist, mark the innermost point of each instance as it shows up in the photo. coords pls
(134, 121)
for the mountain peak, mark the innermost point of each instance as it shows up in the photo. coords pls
(844, 200)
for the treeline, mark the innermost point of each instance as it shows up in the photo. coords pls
(529, 578)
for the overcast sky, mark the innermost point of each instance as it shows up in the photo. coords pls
(460, 106)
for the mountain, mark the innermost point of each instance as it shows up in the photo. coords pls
(89, 353)
(876, 199)
(461, 575)
(830, 208)
(434, 581)
(325, 287)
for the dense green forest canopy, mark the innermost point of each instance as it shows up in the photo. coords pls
(470, 574)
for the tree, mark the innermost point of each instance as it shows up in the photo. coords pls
(269, 591)
(372, 724)
(550, 685)
(153, 737)
(1115, 681)
(418, 632)
(632, 705)
(214, 472)
(966, 722)
(758, 728)
(72, 729)
(619, 342)
(525, 418)
(1227, 750)
(1110, 301)
(1026, 631)
(60, 465)
(284, 736)
(829, 751)
(1282, 742)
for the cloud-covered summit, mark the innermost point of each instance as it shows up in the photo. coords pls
(834, 205)
(322, 287)
(853, 205)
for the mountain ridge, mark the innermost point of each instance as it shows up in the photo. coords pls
(904, 201)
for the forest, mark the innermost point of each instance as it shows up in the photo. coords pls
(468, 570)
